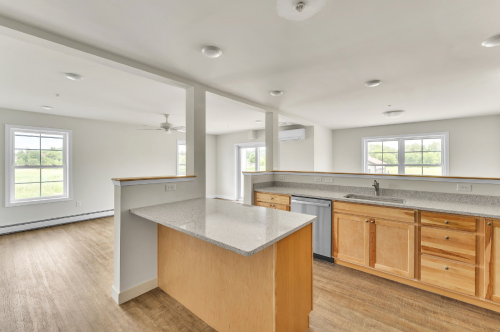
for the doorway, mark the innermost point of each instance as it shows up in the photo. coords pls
(250, 157)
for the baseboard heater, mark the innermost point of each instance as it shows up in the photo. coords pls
(54, 221)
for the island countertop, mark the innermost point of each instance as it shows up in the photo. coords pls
(243, 229)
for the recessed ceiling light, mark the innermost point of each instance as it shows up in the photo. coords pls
(73, 76)
(492, 42)
(393, 114)
(258, 121)
(211, 51)
(45, 107)
(373, 83)
(276, 93)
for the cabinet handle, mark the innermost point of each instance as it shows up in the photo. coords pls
(446, 268)
(272, 198)
(447, 237)
(489, 224)
(367, 220)
(446, 222)
(373, 221)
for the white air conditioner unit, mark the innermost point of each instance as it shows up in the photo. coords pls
(292, 134)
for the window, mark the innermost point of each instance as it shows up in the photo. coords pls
(181, 157)
(423, 154)
(38, 165)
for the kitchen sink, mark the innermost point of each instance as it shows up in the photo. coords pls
(377, 198)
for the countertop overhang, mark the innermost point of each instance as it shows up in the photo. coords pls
(244, 229)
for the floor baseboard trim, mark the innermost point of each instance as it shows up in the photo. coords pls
(54, 222)
(133, 292)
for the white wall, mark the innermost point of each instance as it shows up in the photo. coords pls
(323, 149)
(298, 155)
(474, 144)
(101, 151)
(211, 164)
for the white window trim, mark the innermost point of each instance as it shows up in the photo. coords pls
(237, 165)
(9, 166)
(179, 142)
(444, 136)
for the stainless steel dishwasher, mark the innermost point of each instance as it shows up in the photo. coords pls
(322, 226)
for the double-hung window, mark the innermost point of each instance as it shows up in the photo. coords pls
(422, 154)
(38, 165)
(181, 157)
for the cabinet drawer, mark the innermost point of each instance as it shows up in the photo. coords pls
(454, 276)
(449, 221)
(273, 206)
(372, 211)
(449, 244)
(272, 198)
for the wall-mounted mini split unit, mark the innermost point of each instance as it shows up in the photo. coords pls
(292, 134)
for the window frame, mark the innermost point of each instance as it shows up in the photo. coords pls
(444, 136)
(179, 142)
(10, 168)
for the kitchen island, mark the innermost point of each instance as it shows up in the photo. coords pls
(237, 267)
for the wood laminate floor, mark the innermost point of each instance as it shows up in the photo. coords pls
(59, 279)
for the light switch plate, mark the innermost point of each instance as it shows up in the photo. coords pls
(317, 179)
(170, 187)
(78, 203)
(464, 187)
(281, 177)
(329, 179)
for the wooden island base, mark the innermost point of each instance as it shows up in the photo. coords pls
(269, 291)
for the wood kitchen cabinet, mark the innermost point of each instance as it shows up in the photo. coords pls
(492, 260)
(351, 238)
(273, 201)
(372, 240)
(392, 247)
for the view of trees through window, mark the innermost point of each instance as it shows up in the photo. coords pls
(419, 156)
(44, 151)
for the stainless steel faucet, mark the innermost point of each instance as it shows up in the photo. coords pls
(376, 185)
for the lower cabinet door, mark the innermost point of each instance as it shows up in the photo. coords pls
(492, 260)
(351, 238)
(392, 247)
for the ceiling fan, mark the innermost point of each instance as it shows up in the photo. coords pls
(167, 127)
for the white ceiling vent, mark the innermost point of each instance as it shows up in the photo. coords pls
(293, 134)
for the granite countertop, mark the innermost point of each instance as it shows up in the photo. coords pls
(479, 210)
(243, 229)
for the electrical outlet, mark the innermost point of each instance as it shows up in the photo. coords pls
(78, 203)
(464, 187)
(329, 179)
(281, 177)
(317, 179)
(170, 187)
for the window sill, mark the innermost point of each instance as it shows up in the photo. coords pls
(38, 201)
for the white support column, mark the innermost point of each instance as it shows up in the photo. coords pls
(272, 152)
(196, 135)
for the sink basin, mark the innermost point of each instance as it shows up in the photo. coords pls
(377, 198)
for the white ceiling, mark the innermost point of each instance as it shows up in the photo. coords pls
(31, 76)
(427, 52)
